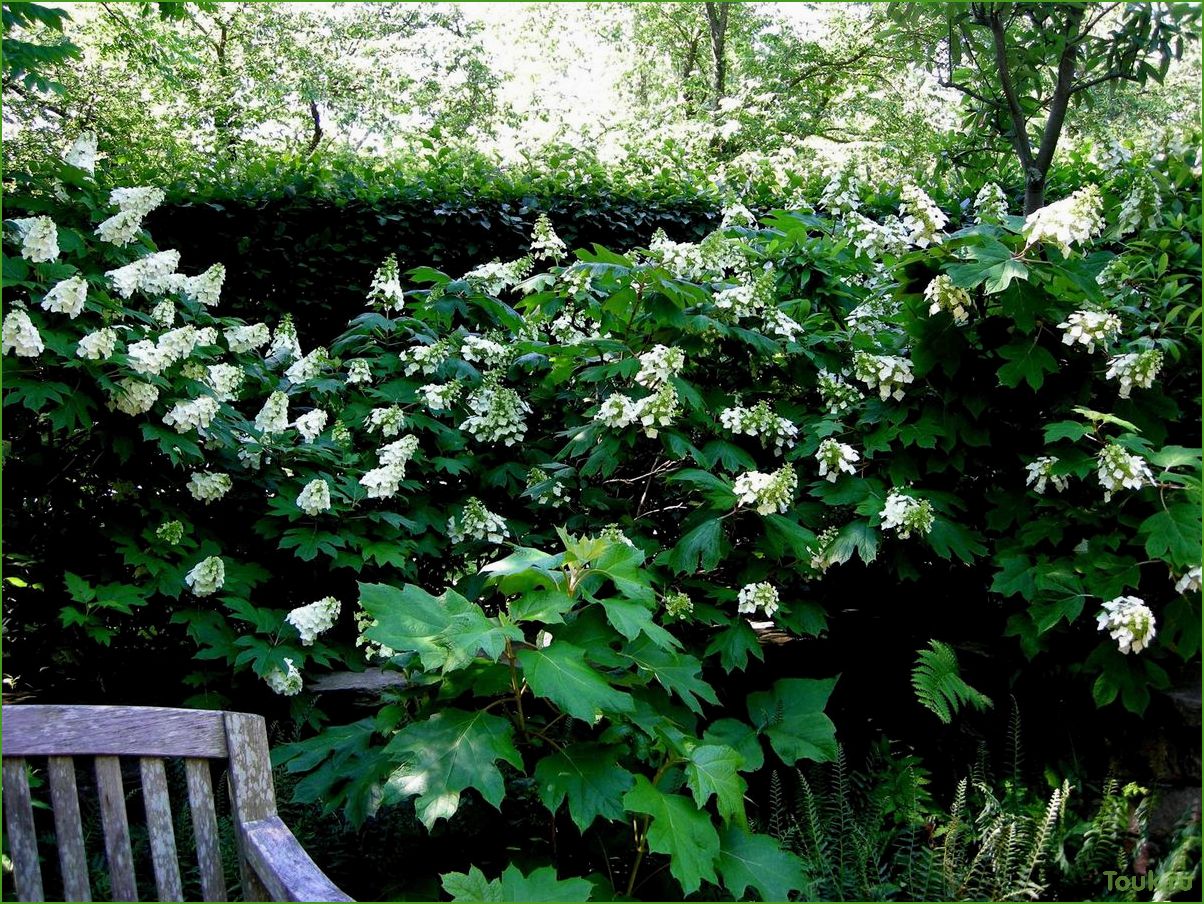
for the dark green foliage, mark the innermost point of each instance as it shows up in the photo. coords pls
(938, 683)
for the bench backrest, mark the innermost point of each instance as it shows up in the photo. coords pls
(150, 734)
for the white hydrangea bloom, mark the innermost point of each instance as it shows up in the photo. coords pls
(572, 327)
(314, 619)
(286, 682)
(1128, 621)
(495, 277)
(441, 396)
(683, 259)
(990, 204)
(821, 550)
(678, 605)
(39, 239)
(943, 295)
(207, 576)
(554, 494)
(385, 421)
(835, 457)
(398, 454)
(82, 153)
(273, 416)
(922, 218)
(206, 336)
(779, 323)
(205, 288)
(372, 649)
(614, 534)
(171, 532)
(97, 345)
(194, 414)
(1089, 327)
(307, 367)
(311, 424)
(889, 373)
(838, 395)
(177, 344)
(545, 243)
(761, 422)
(1072, 221)
(146, 357)
(497, 415)
(659, 364)
(248, 337)
(164, 313)
(208, 486)
(486, 351)
(151, 274)
(1190, 582)
(67, 297)
(740, 301)
(617, 411)
(121, 228)
(872, 239)
(1138, 369)
(1040, 472)
(756, 596)
(285, 343)
(842, 195)
(383, 482)
(736, 214)
(358, 371)
(1141, 209)
(133, 397)
(906, 514)
(225, 380)
(425, 358)
(21, 336)
(385, 291)
(658, 410)
(768, 493)
(477, 523)
(138, 201)
(1118, 469)
(314, 498)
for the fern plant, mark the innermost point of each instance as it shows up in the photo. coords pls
(938, 684)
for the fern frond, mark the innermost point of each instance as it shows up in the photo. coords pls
(938, 684)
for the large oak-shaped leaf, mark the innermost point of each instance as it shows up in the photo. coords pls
(679, 829)
(791, 715)
(559, 672)
(590, 777)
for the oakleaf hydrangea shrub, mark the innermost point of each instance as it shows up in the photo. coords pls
(737, 423)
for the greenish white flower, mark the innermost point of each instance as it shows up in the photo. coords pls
(1118, 469)
(192, 414)
(358, 371)
(386, 292)
(248, 337)
(307, 367)
(835, 457)
(617, 411)
(97, 345)
(441, 396)
(1040, 472)
(383, 482)
(385, 421)
(225, 380)
(761, 595)
(133, 397)
(943, 295)
(314, 619)
(273, 416)
(314, 497)
(495, 277)
(171, 532)
(425, 358)
(1075, 220)
(82, 153)
(285, 345)
(67, 297)
(1190, 581)
(922, 219)
(207, 576)
(398, 453)
(477, 523)
(658, 410)
(545, 243)
(761, 422)
(905, 514)
(1089, 327)
(497, 415)
(484, 350)
(659, 364)
(990, 204)
(678, 605)
(768, 493)
(838, 395)
(39, 238)
(205, 288)
(208, 486)
(21, 336)
(287, 681)
(1128, 621)
(889, 373)
(164, 313)
(1138, 369)
(151, 274)
(311, 424)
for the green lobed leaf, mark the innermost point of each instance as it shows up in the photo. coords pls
(680, 830)
(589, 777)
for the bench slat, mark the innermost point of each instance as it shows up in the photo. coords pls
(34, 730)
(204, 827)
(252, 795)
(22, 838)
(116, 828)
(286, 870)
(68, 829)
(159, 827)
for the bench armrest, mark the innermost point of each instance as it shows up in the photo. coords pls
(282, 865)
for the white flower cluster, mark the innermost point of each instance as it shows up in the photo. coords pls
(1074, 220)
(768, 493)
(132, 205)
(285, 345)
(657, 410)
(307, 367)
(248, 337)
(171, 532)
(224, 380)
(314, 619)
(133, 397)
(425, 358)
(21, 336)
(821, 551)
(742, 300)
(273, 416)
(545, 243)
(441, 396)
(889, 373)
(758, 596)
(372, 649)
(737, 214)
(385, 291)
(97, 345)
(872, 239)
(835, 457)
(477, 523)
(782, 325)
(207, 576)
(761, 422)
(659, 364)
(1141, 209)
(678, 605)
(617, 411)
(311, 424)
(1040, 473)
(208, 486)
(842, 195)
(358, 371)
(1089, 327)
(577, 280)
(495, 277)
(287, 681)
(1118, 469)
(923, 220)
(314, 498)
(1190, 581)
(990, 204)
(204, 288)
(498, 415)
(1138, 369)
(67, 297)
(384, 481)
(572, 327)
(943, 295)
(906, 514)
(164, 313)
(485, 350)
(838, 395)
(554, 494)
(194, 414)
(82, 153)
(684, 260)
(39, 239)
(614, 534)
(1128, 621)
(151, 274)
(385, 421)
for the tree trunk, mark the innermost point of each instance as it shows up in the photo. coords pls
(1034, 193)
(316, 136)
(717, 15)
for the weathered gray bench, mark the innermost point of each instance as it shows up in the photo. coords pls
(272, 865)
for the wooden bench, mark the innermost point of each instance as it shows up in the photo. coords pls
(272, 864)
